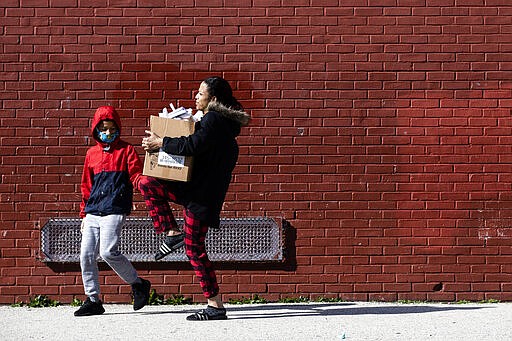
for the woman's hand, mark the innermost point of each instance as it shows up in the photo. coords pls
(153, 142)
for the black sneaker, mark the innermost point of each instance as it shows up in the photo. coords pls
(90, 308)
(170, 244)
(140, 294)
(210, 313)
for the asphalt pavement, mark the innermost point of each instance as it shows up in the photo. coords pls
(272, 321)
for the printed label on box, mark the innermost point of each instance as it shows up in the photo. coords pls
(169, 160)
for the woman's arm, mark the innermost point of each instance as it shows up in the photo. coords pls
(193, 144)
(190, 145)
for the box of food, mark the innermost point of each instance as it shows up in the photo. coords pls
(161, 165)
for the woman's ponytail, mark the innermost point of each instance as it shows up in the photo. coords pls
(219, 88)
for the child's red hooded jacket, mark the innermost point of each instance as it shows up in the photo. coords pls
(110, 173)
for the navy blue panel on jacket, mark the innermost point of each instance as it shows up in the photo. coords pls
(111, 193)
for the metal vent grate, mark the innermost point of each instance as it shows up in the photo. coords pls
(237, 239)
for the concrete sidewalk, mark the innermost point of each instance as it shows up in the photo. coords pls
(311, 321)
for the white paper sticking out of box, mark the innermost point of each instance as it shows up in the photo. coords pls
(169, 160)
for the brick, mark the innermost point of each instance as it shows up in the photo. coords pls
(311, 288)
(375, 149)
(280, 288)
(14, 290)
(260, 279)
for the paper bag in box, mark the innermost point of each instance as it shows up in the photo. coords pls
(162, 165)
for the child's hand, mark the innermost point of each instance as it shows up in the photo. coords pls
(152, 142)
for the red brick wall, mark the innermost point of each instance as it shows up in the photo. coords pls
(381, 131)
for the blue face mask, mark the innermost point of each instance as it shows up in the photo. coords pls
(107, 138)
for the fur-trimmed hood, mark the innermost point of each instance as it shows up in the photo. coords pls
(239, 116)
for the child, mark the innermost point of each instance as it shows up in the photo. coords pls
(112, 169)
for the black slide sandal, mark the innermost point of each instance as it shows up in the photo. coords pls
(170, 244)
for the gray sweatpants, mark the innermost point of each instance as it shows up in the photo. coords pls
(101, 235)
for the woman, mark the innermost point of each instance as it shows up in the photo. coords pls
(215, 150)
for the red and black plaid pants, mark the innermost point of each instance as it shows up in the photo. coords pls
(157, 196)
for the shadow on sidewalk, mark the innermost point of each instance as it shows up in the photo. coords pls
(324, 309)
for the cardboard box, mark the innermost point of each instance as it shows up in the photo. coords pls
(162, 165)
